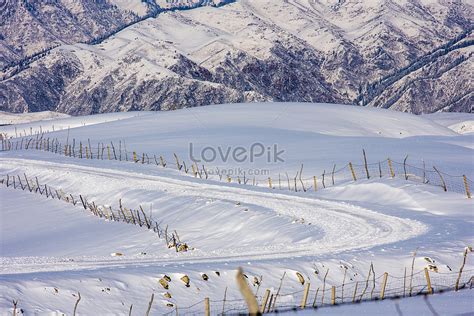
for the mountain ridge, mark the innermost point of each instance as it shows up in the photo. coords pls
(262, 51)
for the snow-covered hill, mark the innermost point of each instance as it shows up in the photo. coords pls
(50, 250)
(411, 56)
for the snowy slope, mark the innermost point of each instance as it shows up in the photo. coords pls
(20, 125)
(18, 118)
(326, 134)
(462, 123)
(50, 250)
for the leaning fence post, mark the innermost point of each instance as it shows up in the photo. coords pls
(466, 185)
(442, 179)
(391, 168)
(355, 292)
(178, 165)
(113, 150)
(75, 305)
(352, 171)
(315, 304)
(305, 295)
(264, 301)
(428, 281)
(365, 164)
(247, 294)
(462, 267)
(83, 202)
(270, 303)
(333, 295)
(150, 304)
(384, 284)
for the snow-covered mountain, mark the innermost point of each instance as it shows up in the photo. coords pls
(412, 55)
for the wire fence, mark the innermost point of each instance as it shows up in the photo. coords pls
(122, 214)
(323, 294)
(335, 176)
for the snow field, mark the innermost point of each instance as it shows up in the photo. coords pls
(48, 244)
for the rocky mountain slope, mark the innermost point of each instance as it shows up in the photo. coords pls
(411, 55)
(32, 26)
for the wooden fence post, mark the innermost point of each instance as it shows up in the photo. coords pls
(384, 284)
(178, 165)
(332, 176)
(365, 164)
(324, 287)
(355, 292)
(466, 185)
(442, 179)
(391, 168)
(305, 295)
(428, 281)
(333, 295)
(90, 148)
(223, 302)
(404, 282)
(315, 184)
(270, 303)
(247, 294)
(462, 267)
(113, 150)
(149, 304)
(264, 301)
(352, 171)
(270, 183)
(75, 305)
(315, 304)
(405, 167)
(207, 308)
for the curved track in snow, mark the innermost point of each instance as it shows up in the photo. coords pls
(339, 226)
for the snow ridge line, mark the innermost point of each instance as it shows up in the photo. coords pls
(124, 215)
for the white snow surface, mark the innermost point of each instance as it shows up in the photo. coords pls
(7, 118)
(50, 250)
(462, 123)
(19, 125)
